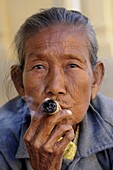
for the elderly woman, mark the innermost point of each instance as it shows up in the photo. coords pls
(57, 54)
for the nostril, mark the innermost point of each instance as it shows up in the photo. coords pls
(50, 93)
(53, 93)
(60, 93)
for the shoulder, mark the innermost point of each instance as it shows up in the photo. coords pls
(11, 121)
(10, 106)
(104, 106)
(11, 118)
(9, 114)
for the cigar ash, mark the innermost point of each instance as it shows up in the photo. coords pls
(49, 106)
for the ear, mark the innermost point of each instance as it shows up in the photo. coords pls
(16, 76)
(98, 74)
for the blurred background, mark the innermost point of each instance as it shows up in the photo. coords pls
(14, 12)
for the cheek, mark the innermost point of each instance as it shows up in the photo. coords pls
(30, 85)
(80, 86)
(33, 91)
(80, 91)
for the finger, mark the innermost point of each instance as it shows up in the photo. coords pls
(51, 121)
(48, 125)
(68, 136)
(40, 127)
(56, 136)
(36, 119)
(58, 132)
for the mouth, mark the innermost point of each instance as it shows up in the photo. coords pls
(64, 104)
(50, 106)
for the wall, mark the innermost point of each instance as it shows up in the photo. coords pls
(14, 12)
(101, 16)
(12, 15)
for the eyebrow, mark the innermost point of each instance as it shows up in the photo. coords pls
(37, 54)
(42, 56)
(74, 56)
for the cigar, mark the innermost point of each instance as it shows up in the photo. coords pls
(50, 106)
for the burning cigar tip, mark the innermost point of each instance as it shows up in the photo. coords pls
(50, 106)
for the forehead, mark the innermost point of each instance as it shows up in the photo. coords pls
(58, 38)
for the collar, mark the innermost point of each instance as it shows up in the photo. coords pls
(95, 134)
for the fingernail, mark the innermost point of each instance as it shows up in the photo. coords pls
(68, 112)
(32, 113)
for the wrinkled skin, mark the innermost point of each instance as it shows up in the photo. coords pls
(57, 66)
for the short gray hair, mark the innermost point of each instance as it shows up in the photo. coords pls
(54, 16)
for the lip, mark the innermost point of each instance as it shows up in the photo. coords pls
(64, 106)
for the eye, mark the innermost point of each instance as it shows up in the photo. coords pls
(39, 66)
(72, 65)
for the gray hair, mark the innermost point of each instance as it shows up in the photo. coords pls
(50, 17)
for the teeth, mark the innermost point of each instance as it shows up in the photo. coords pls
(50, 106)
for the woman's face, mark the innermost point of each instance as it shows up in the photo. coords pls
(57, 66)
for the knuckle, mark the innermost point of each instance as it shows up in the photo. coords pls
(27, 138)
(70, 135)
(47, 148)
(50, 122)
(27, 141)
(35, 144)
(62, 127)
(65, 127)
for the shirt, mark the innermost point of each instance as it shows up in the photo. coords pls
(95, 142)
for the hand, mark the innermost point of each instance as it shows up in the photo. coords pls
(42, 139)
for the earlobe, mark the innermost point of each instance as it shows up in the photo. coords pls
(98, 74)
(16, 76)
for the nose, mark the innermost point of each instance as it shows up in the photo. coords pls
(56, 83)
